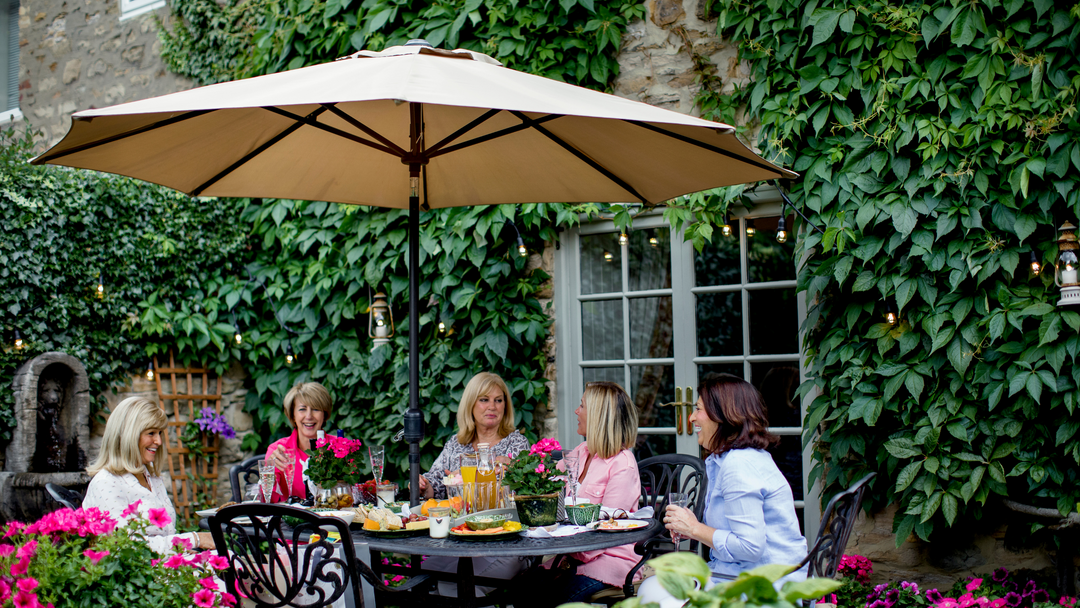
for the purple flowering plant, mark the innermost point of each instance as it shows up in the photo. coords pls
(904, 594)
(999, 589)
(196, 434)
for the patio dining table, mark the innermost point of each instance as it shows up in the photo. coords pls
(466, 550)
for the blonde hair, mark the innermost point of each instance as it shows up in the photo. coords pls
(480, 385)
(120, 451)
(611, 419)
(313, 395)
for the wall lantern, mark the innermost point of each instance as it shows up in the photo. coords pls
(1065, 270)
(380, 321)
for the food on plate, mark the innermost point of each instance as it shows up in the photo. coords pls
(422, 524)
(369, 491)
(385, 520)
(371, 524)
(227, 504)
(507, 526)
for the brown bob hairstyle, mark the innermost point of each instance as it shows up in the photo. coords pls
(740, 411)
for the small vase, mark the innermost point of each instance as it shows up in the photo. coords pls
(539, 510)
(337, 495)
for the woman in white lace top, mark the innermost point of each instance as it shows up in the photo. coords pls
(126, 472)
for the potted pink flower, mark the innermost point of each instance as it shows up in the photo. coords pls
(536, 484)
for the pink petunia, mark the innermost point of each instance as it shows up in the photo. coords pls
(174, 562)
(998, 603)
(947, 602)
(27, 584)
(14, 528)
(20, 567)
(154, 562)
(182, 542)
(159, 517)
(204, 598)
(228, 599)
(5, 590)
(974, 584)
(23, 599)
(27, 551)
(208, 583)
(95, 556)
(131, 509)
(6, 550)
(217, 562)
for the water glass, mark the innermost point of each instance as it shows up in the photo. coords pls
(456, 495)
(267, 477)
(679, 499)
(439, 522)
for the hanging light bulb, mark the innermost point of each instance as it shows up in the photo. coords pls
(522, 251)
(624, 240)
(150, 370)
(237, 335)
(1036, 267)
(442, 327)
(781, 231)
(726, 228)
(751, 229)
(18, 340)
(289, 357)
(608, 256)
(99, 290)
(655, 242)
(890, 314)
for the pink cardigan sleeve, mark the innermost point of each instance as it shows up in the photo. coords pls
(621, 490)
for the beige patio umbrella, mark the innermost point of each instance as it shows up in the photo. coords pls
(366, 128)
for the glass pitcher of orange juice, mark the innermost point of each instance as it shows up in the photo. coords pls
(487, 495)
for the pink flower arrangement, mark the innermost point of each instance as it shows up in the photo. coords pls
(333, 460)
(534, 473)
(85, 554)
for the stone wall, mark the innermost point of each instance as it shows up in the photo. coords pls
(77, 54)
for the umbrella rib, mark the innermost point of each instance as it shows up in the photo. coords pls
(528, 122)
(706, 146)
(463, 130)
(257, 151)
(334, 130)
(394, 148)
(583, 158)
(119, 136)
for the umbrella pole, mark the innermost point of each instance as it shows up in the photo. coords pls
(414, 420)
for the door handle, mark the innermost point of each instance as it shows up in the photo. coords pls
(689, 404)
(677, 404)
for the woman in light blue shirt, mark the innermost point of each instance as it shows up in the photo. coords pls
(750, 516)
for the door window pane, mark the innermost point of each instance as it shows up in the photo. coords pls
(650, 259)
(777, 383)
(601, 330)
(718, 262)
(768, 260)
(774, 322)
(651, 328)
(601, 263)
(788, 457)
(735, 369)
(651, 385)
(719, 324)
(604, 374)
(649, 445)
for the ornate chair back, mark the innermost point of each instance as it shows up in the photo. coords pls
(837, 521)
(247, 472)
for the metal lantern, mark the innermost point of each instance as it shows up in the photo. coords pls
(380, 321)
(1065, 270)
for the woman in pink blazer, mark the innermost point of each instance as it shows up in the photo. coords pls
(307, 406)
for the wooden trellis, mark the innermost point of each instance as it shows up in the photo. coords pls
(183, 393)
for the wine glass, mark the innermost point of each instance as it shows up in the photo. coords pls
(290, 462)
(267, 476)
(376, 457)
(679, 499)
(570, 466)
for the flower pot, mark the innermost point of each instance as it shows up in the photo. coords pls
(537, 510)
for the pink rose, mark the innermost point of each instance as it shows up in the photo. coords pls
(159, 517)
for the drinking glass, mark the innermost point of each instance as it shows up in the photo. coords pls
(679, 499)
(290, 462)
(266, 479)
(570, 466)
(375, 455)
(468, 463)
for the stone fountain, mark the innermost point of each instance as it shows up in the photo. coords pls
(51, 435)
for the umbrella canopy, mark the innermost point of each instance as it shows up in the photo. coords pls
(364, 129)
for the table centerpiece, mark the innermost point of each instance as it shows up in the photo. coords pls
(334, 468)
(536, 484)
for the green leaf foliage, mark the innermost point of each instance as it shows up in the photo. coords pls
(67, 229)
(938, 145)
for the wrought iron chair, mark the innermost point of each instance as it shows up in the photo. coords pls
(837, 521)
(273, 565)
(69, 498)
(248, 472)
(661, 475)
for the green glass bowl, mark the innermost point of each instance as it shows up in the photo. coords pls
(582, 514)
(483, 522)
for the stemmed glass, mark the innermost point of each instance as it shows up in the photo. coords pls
(679, 499)
(290, 462)
(267, 476)
(570, 466)
(375, 455)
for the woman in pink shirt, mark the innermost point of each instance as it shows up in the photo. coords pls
(609, 476)
(307, 406)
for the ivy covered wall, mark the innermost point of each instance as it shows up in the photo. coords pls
(939, 148)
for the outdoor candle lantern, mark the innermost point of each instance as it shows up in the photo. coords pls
(380, 321)
(1065, 270)
(608, 256)
(289, 356)
(655, 242)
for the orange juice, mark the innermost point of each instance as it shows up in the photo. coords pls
(486, 495)
(468, 474)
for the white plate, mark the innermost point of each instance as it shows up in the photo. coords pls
(624, 525)
(345, 515)
(206, 512)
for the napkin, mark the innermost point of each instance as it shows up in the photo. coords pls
(562, 530)
(646, 513)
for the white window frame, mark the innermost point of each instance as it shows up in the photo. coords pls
(134, 8)
(9, 38)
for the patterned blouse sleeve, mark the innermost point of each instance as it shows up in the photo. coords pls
(438, 470)
(514, 444)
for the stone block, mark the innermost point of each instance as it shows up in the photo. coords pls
(665, 12)
(133, 54)
(99, 66)
(71, 70)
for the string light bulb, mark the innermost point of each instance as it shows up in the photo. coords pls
(18, 340)
(237, 335)
(655, 242)
(442, 327)
(1036, 267)
(608, 256)
(522, 251)
(751, 229)
(150, 370)
(289, 356)
(890, 314)
(624, 240)
(99, 290)
(781, 231)
(726, 228)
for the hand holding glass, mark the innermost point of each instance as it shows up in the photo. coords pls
(678, 499)
(266, 479)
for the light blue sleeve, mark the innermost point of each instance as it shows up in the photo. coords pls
(744, 509)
